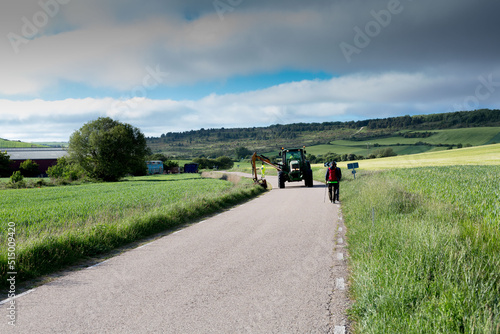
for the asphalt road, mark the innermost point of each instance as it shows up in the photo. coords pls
(275, 264)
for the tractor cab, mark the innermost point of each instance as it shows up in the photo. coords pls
(295, 167)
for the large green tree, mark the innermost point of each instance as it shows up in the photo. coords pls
(108, 150)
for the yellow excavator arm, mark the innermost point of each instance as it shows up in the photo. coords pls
(265, 160)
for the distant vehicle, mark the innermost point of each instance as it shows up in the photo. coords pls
(191, 168)
(155, 167)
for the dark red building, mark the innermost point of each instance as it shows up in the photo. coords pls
(44, 157)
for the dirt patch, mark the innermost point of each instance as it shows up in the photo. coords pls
(235, 179)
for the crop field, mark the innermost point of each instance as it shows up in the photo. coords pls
(402, 145)
(50, 210)
(479, 155)
(424, 248)
(54, 226)
(14, 144)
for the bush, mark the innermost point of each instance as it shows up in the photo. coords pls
(66, 170)
(39, 183)
(169, 164)
(311, 158)
(223, 162)
(331, 157)
(16, 180)
(16, 177)
(384, 152)
(29, 168)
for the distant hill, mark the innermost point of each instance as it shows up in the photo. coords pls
(398, 130)
(4, 143)
(57, 144)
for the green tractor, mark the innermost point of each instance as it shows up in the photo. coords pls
(294, 167)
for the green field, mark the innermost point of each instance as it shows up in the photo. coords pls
(480, 155)
(16, 144)
(424, 247)
(438, 141)
(56, 226)
(423, 234)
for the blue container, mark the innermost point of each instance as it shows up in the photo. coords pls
(155, 167)
(191, 168)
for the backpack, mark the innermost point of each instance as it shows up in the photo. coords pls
(332, 174)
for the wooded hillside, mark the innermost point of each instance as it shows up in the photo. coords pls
(217, 142)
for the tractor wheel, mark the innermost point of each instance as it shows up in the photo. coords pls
(308, 178)
(281, 180)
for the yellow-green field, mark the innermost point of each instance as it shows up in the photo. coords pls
(480, 155)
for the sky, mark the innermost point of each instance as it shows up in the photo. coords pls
(179, 65)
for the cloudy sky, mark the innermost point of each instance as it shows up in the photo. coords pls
(178, 65)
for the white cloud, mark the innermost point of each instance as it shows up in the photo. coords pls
(344, 98)
(428, 59)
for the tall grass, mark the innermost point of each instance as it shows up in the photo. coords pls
(425, 250)
(56, 227)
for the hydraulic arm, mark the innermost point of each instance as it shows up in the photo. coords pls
(265, 160)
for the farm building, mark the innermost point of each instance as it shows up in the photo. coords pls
(155, 167)
(44, 157)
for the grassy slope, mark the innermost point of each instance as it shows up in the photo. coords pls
(472, 136)
(424, 253)
(56, 227)
(480, 155)
(13, 144)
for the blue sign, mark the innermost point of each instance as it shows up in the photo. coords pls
(353, 165)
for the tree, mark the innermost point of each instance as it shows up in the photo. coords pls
(108, 150)
(29, 168)
(242, 152)
(223, 162)
(5, 170)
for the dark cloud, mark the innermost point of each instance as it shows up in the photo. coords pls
(386, 57)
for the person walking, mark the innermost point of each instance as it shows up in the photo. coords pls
(332, 178)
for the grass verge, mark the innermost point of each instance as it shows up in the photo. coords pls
(424, 248)
(50, 248)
